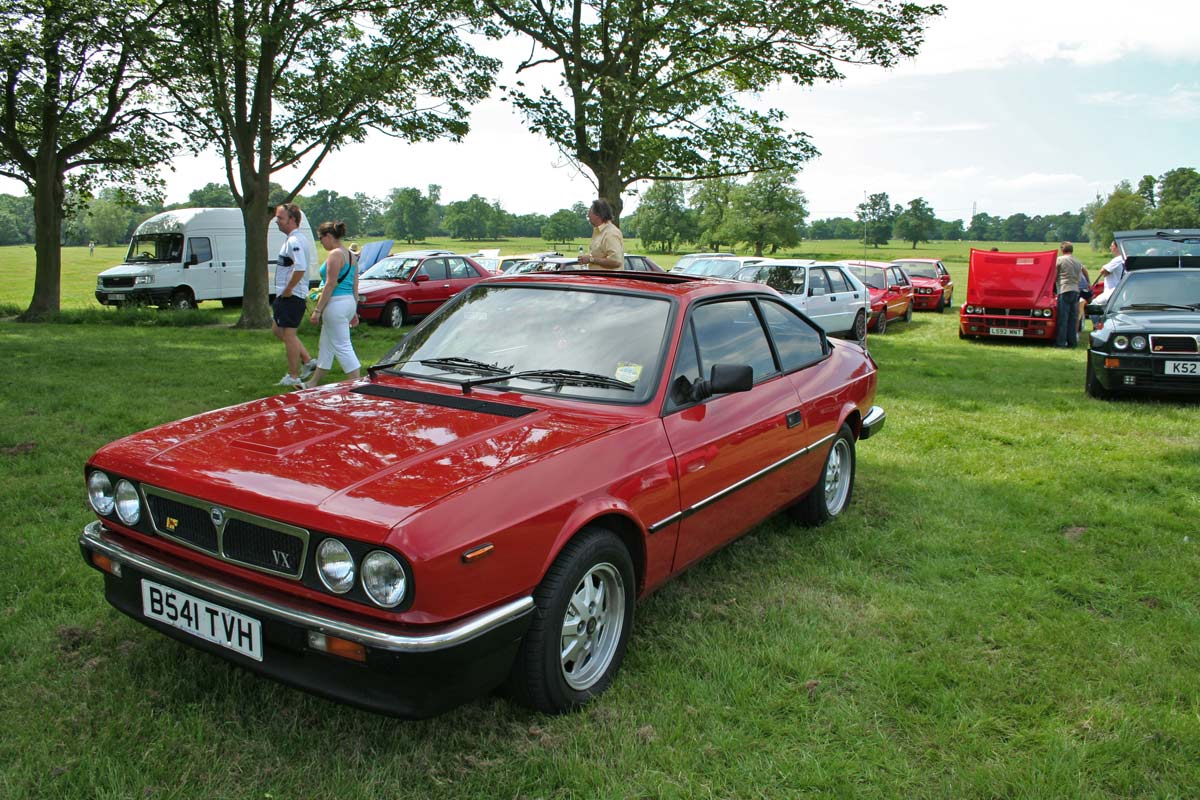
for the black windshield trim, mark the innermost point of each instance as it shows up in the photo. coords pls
(445, 401)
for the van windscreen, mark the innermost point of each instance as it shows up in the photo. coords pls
(155, 248)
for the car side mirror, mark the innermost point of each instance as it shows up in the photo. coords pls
(421, 278)
(724, 379)
(816, 291)
(1094, 309)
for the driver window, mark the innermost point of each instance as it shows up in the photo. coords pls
(730, 333)
(898, 277)
(817, 285)
(201, 248)
(435, 268)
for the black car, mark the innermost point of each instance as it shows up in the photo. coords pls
(1148, 337)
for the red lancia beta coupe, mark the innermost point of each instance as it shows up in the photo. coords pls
(487, 505)
(933, 288)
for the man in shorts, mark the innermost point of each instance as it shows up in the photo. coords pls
(291, 283)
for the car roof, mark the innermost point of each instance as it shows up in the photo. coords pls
(665, 283)
(915, 260)
(875, 264)
(419, 254)
(794, 262)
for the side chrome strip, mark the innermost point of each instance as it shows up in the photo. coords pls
(92, 539)
(677, 516)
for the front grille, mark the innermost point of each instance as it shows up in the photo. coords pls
(262, 547)
(117, 283)
(262, 544)
(1174, 344)
(181, 521)
(1009, 312)
(1012, 322)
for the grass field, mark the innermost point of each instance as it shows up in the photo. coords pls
(1009, 608)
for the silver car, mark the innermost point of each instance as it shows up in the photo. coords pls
(828, 294)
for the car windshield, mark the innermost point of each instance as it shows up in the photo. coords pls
(1155, 246)
(162, 248)
(918, 269)
(392, 269)
(871, 276)
(1175, 288)
(614, 339)
(715, 267)
(785, 280)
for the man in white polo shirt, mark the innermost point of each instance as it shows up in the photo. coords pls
(291, 283)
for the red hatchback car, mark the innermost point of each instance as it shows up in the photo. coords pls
(487, 504)
(400, 288)
(1010, 296)
(891, 292)
(933, 288)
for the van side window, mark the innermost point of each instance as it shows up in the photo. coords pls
(201, 248)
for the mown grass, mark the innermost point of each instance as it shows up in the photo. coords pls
(1008, 609)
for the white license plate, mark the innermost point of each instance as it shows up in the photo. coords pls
(116, 297)
(1006, 331)
(202, 619)
(1181, 368)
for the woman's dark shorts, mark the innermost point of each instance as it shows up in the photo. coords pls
(288, 311)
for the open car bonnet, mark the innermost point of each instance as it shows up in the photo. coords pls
(1010, 280)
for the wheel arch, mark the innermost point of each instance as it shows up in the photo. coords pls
(620, 523)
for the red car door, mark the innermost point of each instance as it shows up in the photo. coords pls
(431, 286)
(735, 453)
(900, 292)
(462, 273)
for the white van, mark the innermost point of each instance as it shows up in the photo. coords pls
(183, 257)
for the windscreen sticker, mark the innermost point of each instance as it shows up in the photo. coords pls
(628, 372)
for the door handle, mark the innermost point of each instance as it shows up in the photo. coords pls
(794, 418)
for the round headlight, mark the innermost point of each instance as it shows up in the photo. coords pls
(100, 493)
(1138, 342)
(129, 507)
(1120, 342)
(383, 578)
(335, 565)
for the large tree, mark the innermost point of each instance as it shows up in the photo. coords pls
(876, 216)
(408, 215)
(662, 216)
(654, 91)
(917, 223)
(76, 106)
(767, 211)
(711, 203)
(278, 84)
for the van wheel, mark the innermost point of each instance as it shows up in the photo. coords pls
(394, 315)
(831, 495)
(859, 331)
(182, 300)
(581, 623)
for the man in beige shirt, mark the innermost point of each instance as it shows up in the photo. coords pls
(1066, 282)
(607, 248)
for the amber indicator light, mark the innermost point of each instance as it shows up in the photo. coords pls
(337, 647)
(1112, 362)
(107, 564)
(476, 553)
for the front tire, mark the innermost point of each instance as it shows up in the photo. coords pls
(583, 615)
(831, 495)
(394, 315)
(183, 300)
(941, 306)
(1092, 385)
(908, 312)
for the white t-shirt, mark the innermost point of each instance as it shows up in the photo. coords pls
(1112, 272)
(294, 248)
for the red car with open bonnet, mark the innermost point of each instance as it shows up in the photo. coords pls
(486, 505)
(933, 288)
(1010, 295)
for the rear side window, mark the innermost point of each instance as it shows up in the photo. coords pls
(201, 248)
(435, 268)
(459, 268)
(797, 342)
(730, 333)
(837, 283)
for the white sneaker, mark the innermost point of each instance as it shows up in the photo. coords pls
(290, 380)
(307, 369)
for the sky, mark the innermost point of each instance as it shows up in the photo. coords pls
(1031, 106)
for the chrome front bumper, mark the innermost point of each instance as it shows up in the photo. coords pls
(873, 422)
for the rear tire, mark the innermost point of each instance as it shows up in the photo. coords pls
(830, 497)
(859, 331)
(941, 306)
(908, 312)
(583, 615)
(394, 315)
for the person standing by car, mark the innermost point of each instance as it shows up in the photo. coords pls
(288, 311)
(607, 248)
(1066, 283)
(337, 306)
(1112, 272)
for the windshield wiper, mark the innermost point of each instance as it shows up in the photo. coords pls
(559, 376)
(460, 364)
(1161, 307)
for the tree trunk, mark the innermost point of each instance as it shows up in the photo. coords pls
(48, 197)
(260, 280)
(609, 181)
